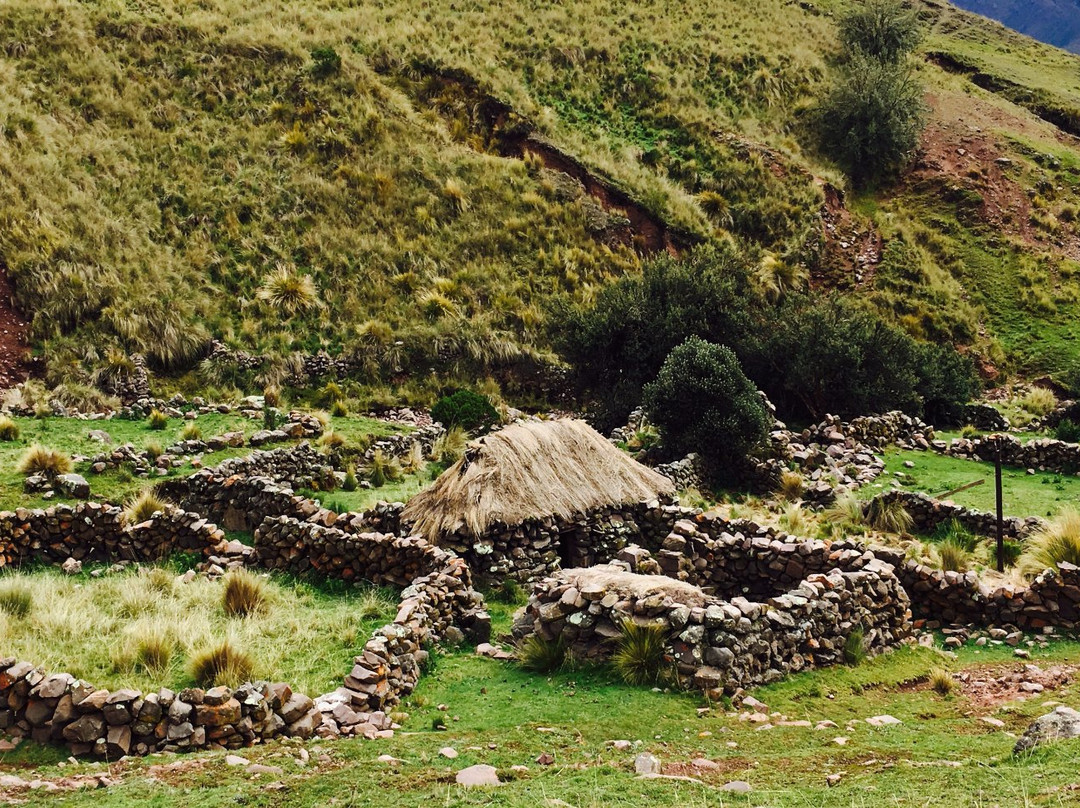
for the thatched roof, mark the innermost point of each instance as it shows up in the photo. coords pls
(531, 469)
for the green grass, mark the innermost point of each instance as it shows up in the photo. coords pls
(168, 205)
(71, 435)
(499, 715)
(1023, 494)
(324, 630)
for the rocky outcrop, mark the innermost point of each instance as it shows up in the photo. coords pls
(1063, 723)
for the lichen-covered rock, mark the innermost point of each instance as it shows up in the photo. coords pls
(1063, 723)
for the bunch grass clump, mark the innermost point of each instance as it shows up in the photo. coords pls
(942, 682)
(16, 596)
(143, 506)
(40, 459)
(9, 430)
(855, 647)
(191, 431)
(289, 293)
(640, 654)
(222, 664)
(1056, 541)
(953, 556)
(888, 515)
(791, 486)
(245, 595)
(534, 653)
(157, 420)
(1039, 401)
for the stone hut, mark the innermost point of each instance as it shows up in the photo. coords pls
(535, 497)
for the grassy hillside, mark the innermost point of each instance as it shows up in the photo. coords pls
(296, 177)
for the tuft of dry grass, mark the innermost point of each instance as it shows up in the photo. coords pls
(16, 596)
(288, 292)
(222, 664)
(942, 682)
(1056, 541)
(245, 595)
(43, 460)
(791, 486)
(143, 506)
(9, 430)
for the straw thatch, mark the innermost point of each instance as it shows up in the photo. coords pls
(531, 469)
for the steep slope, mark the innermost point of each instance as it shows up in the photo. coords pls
(443, 173)
(1056, 22)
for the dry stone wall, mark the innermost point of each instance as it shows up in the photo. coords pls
(928, 513)
(1044, 454)
(92, 532)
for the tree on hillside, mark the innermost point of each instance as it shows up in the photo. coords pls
(881, 29)
(703, 402)
(871, 119)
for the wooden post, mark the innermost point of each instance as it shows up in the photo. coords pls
(1000, 517)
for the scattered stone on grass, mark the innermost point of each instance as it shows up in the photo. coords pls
(479, 775)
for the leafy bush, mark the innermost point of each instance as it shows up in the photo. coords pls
(703, 403)
(871, 118)
(617, 345)
(639, 653)
(1067, 430)
(9, 430)
(466, 409)
(510, 593)
(881, 29)
(16, 597)
(1056, 541)
(223, 664)
(158, 419)
(244, 595)
(43, 460)
(326, 62)
(534, 653)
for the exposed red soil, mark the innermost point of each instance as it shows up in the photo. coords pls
(960, 155)
(986, 688)
(14, 342)
(852, 246)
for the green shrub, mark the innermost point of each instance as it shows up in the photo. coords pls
(534, 653)
(1056, 541)
(885, 30)
(325, 62)
(43, 460)
(466, 409)
(9, 430)
(244, 595)
(639, 656)
(158, 419)
(871, 119)
(703, 403)
(1067, 430)
(16, 597)
(223, 664)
